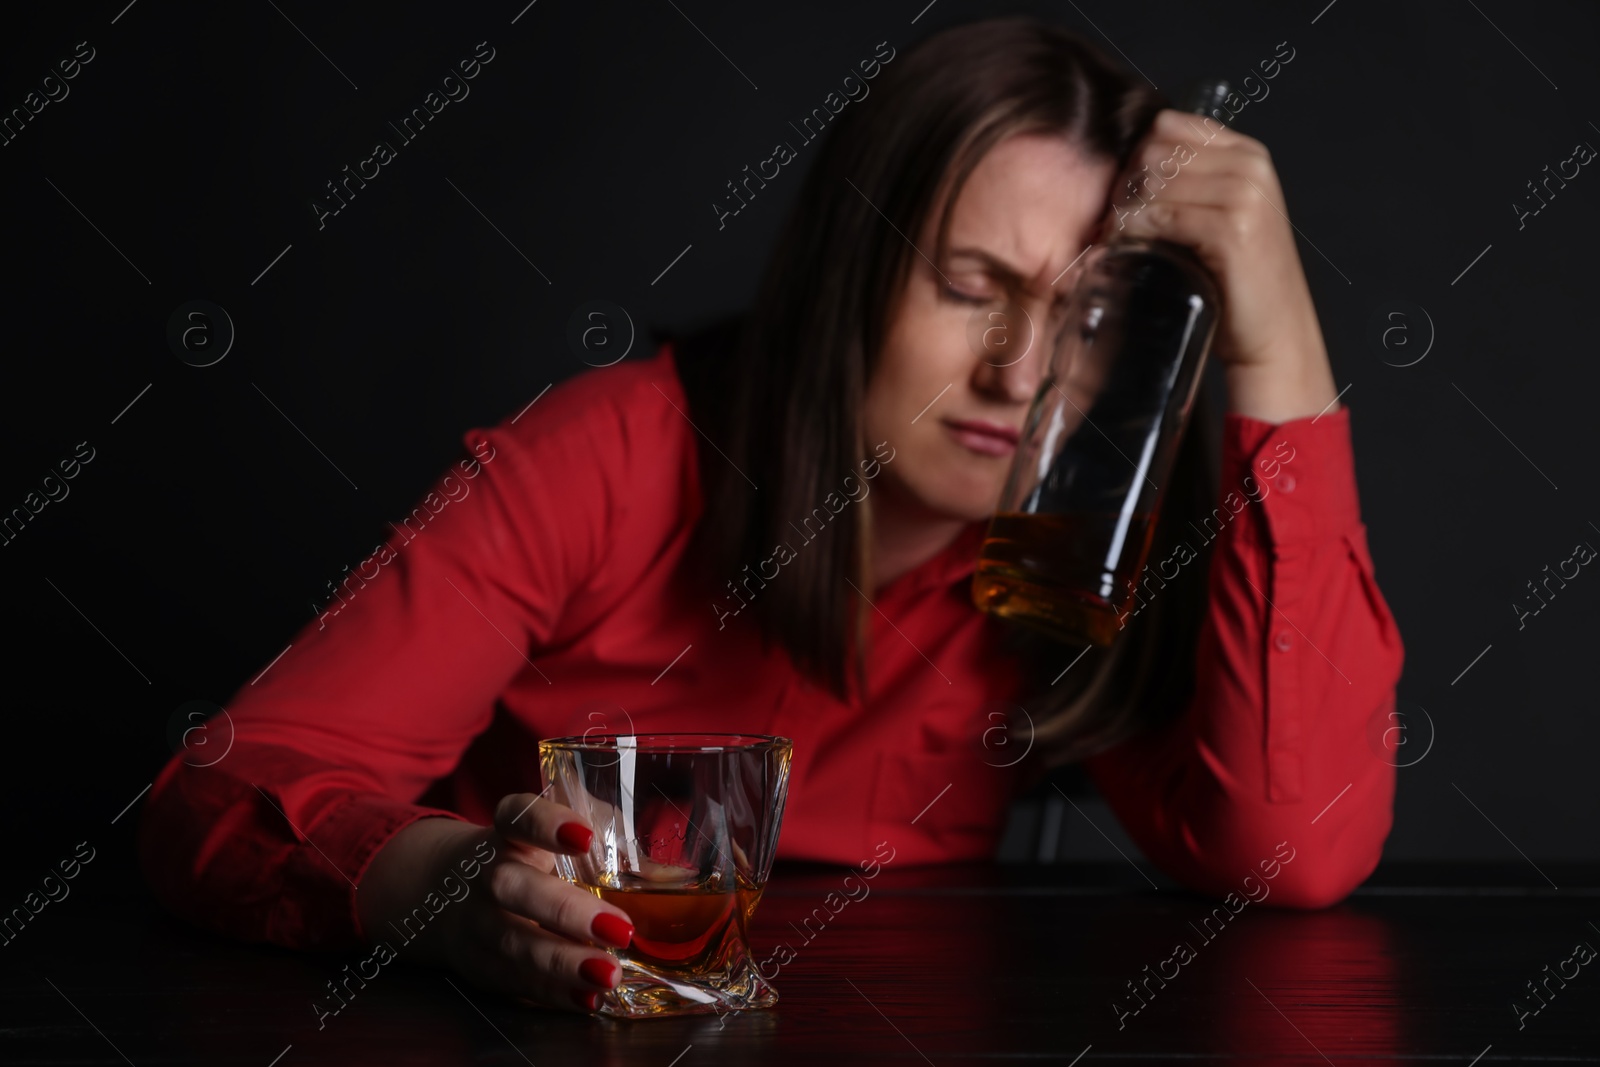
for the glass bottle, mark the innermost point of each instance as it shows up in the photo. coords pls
(1080, 504)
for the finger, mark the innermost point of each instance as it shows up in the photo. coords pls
(1232, 190)
(1159, 161)
(1231, 176)
(516, 957)
(1201, 132)
(558, 906)
(531, 819)
(1167, 159)
(1208, 230)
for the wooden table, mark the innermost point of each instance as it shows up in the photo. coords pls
(939, 966)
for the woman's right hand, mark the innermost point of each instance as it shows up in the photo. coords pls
(519, 929)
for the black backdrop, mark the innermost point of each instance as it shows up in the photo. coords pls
(183, 160)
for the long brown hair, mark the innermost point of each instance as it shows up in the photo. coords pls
(778, 394)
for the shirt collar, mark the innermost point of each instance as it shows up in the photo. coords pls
(956, 561)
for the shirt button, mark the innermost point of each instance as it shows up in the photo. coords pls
(1283, 641)
(1285, 483)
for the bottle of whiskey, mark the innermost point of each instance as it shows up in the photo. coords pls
(1085, 488)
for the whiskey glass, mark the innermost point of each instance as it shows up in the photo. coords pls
(685, 830)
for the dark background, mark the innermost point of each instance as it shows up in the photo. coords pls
(196, 541)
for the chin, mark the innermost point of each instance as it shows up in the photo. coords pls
(951, 500)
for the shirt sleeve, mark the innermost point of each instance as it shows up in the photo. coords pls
(1297, 660)
(336, 739)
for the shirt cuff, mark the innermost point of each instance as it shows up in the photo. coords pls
(343, 843)
(1302, 472)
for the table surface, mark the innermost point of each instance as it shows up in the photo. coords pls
(933, 965)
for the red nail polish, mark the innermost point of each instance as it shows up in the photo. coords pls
(612, 930)
(574, 836)
(600, 972)
(587, 1001)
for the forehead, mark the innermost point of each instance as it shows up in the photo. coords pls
(1030, 196)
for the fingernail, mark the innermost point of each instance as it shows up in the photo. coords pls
(587, 1001)
(612, 930)
(600, 972)
(574, 836)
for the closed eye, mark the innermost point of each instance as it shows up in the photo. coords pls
(952, 293)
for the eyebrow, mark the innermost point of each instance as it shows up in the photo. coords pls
(993, 263)
(999, 267)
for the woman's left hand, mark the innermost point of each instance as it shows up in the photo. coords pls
(1221, 198)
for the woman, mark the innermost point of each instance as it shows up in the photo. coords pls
(772, 527)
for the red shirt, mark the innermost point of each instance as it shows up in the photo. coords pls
(532, 594)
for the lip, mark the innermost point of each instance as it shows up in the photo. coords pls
(984, 437)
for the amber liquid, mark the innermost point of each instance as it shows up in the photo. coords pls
(1055, 572)
(682, 930)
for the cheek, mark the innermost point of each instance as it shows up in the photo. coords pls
(924, 351)
(923, 373)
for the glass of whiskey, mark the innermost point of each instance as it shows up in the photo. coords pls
(685, 830)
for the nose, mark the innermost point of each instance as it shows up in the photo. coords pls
(1011, 349)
